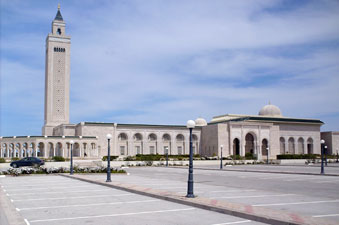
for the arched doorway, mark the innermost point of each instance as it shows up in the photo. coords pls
(264, 146)
(236, 146)
(249, 146)
(282, 145)
(291, 145)
(310, 146)
(300, 149)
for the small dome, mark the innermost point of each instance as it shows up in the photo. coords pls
(270, 110)
(200, 122)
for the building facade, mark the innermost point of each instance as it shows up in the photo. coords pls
(267, 134)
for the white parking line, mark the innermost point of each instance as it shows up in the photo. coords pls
(57, 192)
(329, 215)
(236, 222)
(91, 196)
(112, 215)
(297, 203)
(255, 196)
(95, 204)
(49, 183)
(68, 187)
(26, 221)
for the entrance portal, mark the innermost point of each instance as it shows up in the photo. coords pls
(236, 146)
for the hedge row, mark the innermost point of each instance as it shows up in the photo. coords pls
(43, 170)
(298, 156)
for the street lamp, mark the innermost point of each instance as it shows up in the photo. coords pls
(322, 156)
(71, 170)
(337, 156)
(109, 136)
(190, 125)
(221, 147)
(267, 154)
(325, 153)
(166, 148)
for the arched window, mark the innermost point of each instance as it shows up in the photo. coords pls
(180, 137)
(264, 146)
(152, 137)
(137, 137)
(300, 146)
(122, 137)
(166, 137)
(291, 145)
(282, 146)
(59, 31)
(194, 137)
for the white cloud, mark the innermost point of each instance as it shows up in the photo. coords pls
(166, 62)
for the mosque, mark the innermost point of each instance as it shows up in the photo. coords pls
(267, 134)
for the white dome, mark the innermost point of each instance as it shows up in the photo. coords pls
(270, 110)
(200, 122)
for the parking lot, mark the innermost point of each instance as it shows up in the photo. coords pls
(54, 199)
(313, 195)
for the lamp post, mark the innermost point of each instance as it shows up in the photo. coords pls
(221, 147)
(71, 170)
(267, 154)
(337, 156)
(190, 126)
(325, 153)
(109, 136)
(166, 148)
(322, 156)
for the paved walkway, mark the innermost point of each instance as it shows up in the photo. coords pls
(247, 211)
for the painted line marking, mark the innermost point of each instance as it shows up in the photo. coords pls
(2, 176)
(51, 183)
(26, 221)
(91, 196)
(236, 222)
(17, 209)
(318, 216)
(297, 203)
(113, 215)
(255, 196)
(56, 192)
(71, 187)
(94, 204)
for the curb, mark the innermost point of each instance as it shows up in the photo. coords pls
(259, 214)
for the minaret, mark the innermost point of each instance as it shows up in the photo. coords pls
(57, 76)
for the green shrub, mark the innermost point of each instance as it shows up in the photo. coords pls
(250, 156)
(14, 159)
(298, 156)
(58, 159)
(2, 160)
(130, 158)
(237, 157)
(113, 157)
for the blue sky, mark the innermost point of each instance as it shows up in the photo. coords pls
(164, 62)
